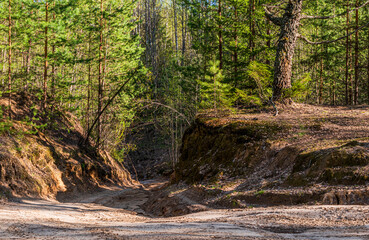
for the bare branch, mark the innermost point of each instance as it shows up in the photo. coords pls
(169, 107)
(331, 41)
(336, 15)
(276, 20)
(107, 105)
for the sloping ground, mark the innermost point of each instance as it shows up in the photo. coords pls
(306, 155)
(316, 144)
(40, 154)
(113, 214)
(39, 219)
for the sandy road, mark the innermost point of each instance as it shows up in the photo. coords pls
(100, 216)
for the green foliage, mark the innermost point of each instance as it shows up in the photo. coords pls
(120, 154)
(300, 89)
(262, 76)
(215, 93)
(5, 124)
(178, 42)
(249, 99)
(34, 122)
(261, 192)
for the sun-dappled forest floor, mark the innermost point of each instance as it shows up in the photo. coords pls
(314, 126)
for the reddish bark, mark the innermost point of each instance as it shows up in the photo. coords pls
(289, 25)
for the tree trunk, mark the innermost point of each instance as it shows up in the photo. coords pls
(286, 48)
(28, 60)
(347, 54)
(220, 36)
(252, 29)
(45, 57)
(184, 25)
(215, 93)
(321, 77)
(268, 41)
(88, 82)
(351, 86)
(334, 91)
(175, 24)
(53, 63)
(236, 46)
(10, 58)
(356, 83)
(100, 91)
(53, 74)
(368, 65)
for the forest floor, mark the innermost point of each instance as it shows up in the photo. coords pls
(315, 126)
(115, 213)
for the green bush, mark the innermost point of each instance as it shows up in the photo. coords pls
(300, 89)
(214, 92)
(262, 76)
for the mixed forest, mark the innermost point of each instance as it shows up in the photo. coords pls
(129, 67)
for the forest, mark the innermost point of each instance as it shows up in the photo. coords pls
(184, 119)
(179, 58)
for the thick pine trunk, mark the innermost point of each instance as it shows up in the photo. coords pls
(286, 48)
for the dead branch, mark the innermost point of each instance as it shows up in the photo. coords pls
(169, 107)
(276, 20)
(107, 105)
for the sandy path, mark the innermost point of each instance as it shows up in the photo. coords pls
(100, 216)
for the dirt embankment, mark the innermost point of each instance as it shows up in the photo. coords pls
(321, 145)
(40, 155)
(306, 155)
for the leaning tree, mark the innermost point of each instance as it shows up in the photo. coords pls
(288, 14)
